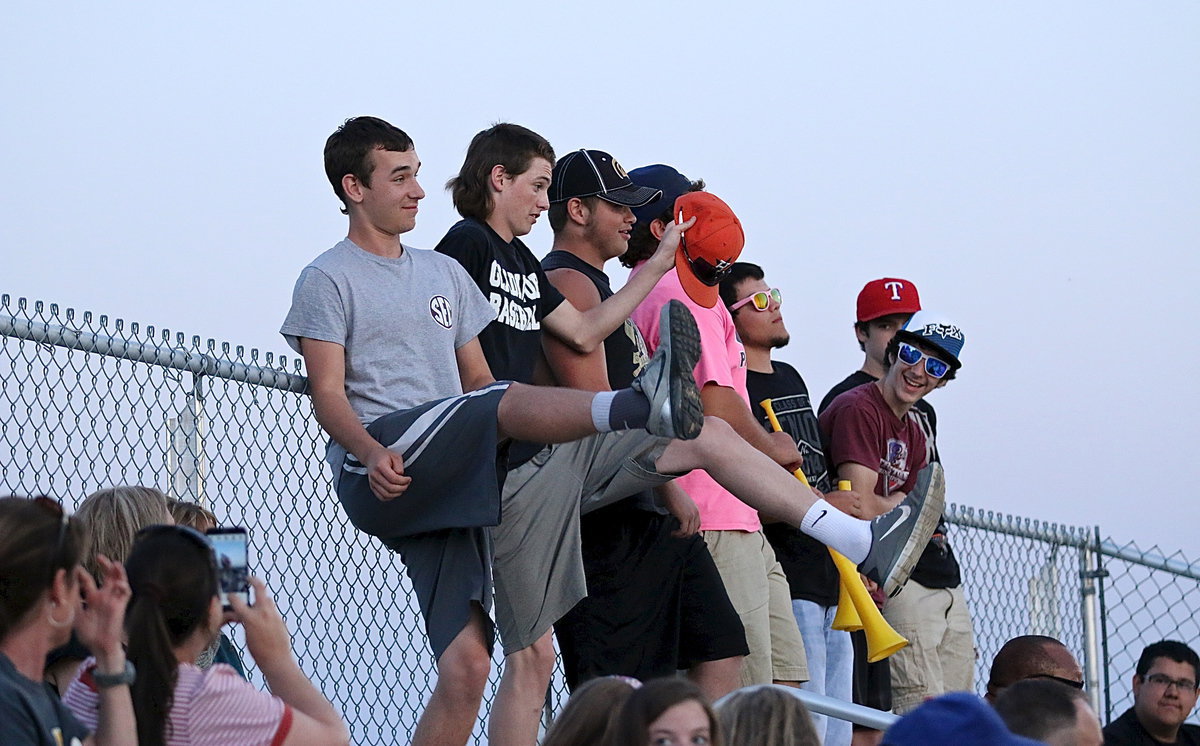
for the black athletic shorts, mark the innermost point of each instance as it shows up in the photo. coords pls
(655, 603)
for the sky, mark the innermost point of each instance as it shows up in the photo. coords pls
(1033, 167)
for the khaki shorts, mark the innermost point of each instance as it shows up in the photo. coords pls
(759, 591)
(940, 656)
(538, 570)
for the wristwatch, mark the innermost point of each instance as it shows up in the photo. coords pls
(107, 680)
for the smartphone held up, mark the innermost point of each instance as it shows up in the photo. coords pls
(231, 546)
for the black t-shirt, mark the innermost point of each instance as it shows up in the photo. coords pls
(31, 714)
(1127, 731)
(810, 571)
(514, 283)
(937, 567)
(624, 352)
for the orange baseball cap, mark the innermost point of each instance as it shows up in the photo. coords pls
(709, 248)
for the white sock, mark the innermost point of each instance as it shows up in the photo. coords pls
(601, 406)
(835, 529)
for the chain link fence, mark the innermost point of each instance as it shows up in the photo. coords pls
(90, 402)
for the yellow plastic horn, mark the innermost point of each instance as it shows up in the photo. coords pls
(846, 618)
(855, 606)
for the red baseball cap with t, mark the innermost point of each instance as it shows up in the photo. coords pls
(886, 296)
(709, 248)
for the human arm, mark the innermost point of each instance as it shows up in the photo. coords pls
(326, 364)
(587, 371)
(679, 504)
(315, 720)
(100, 626)
(863, 480)
(473, 370)
(726, 403)
(585, 330)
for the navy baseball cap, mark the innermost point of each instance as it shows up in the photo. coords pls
(937, 332)
(594, 173)
(667, 180)
(958, 718)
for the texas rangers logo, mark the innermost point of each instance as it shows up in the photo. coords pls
(440, 310)
(895, 287)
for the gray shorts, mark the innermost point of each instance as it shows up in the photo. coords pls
(538, 561)
(439, 525)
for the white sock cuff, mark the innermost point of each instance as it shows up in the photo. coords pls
(601, 407)
(835, 529)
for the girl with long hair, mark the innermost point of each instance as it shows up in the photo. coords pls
(175, 614)
(666, 712)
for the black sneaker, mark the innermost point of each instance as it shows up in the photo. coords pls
(675, 407)
(899, 537)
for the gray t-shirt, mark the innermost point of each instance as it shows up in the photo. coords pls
(400, 320)
(31, 714)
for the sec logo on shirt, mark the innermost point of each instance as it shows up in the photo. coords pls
(441, 311)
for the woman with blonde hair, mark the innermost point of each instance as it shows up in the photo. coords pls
(766, 716)
(113, 516)
(110, 519)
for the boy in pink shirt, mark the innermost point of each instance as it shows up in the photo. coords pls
(753, 577)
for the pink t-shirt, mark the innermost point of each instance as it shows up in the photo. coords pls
(722, 362)
(210, 708)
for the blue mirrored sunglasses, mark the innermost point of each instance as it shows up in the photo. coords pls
(910, 355)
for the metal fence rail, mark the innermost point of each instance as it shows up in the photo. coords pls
(88, 402)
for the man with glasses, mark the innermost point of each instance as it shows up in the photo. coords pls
(932, 612)
(1164, 695)
(811, 575)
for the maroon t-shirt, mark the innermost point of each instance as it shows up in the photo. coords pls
(859, 427)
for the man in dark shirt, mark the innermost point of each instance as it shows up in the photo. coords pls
(1164, 696)
(932, 612)
(656, 603)
(811, 575)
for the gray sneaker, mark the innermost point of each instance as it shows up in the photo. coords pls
(899, 537)
(675, 407)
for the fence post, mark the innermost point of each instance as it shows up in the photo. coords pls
(187, 465)
(1106, 716)
(1089, 573)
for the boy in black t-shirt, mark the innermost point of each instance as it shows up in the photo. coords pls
(811, 574)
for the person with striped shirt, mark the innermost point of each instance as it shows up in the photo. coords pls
(174, 614)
